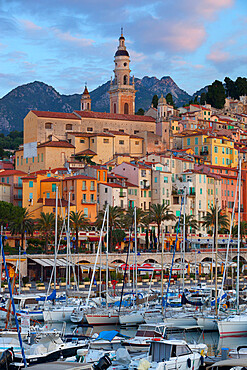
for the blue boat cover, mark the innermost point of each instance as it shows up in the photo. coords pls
(109, 335)
(49, 298)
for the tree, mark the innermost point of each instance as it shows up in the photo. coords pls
(209, 220)
(231, 89)
(196, 100)
(160, 213)
(190, 222)
(140, 112)
(216, 94)
(129, 217)
(155, 101)
(169, 99)
(78, 221)
(115, 220)
(46, 224)
(241, 86)
(203, 98)
(21, 223)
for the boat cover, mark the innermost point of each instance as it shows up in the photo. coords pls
(109, 335)
(49, 298)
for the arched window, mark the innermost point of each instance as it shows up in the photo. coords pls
(114, 108)
(125, 79)
(126, 108)
(88, 106)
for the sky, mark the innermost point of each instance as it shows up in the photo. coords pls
(67, 43)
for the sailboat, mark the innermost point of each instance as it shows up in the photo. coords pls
(235, 325)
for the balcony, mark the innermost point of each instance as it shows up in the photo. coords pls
(192, 192)
(145, 185)
(122, 194)
(17, 196)
(83, 201)
(204, 152)
(17, 185)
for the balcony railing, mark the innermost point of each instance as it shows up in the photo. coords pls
(122, 194)
(83, 201)
(92, 188)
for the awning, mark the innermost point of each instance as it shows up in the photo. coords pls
(94, 238)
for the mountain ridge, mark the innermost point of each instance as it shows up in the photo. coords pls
(38, 95)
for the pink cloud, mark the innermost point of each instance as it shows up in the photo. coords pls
(208, 8)
(66, 36)
(30, 26)
(218, 55)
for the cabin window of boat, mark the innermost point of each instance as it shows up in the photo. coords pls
(160, 351)
(182, 350)
(30, 301)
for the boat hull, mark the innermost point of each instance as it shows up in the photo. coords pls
(207, 323)
(102, 319)
(232, 328)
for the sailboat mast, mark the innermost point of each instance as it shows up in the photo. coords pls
(107, 248)
(55, 246)
(135, 251)
(239, 220)
(67, 251)
(216, 250)
(184, 240)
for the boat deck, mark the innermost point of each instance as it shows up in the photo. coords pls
(61, 365)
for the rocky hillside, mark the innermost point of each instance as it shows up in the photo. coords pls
(37, 95)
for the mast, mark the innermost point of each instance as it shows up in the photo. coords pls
(67, 251)
(239, 220)
(162, 270)
(1, 261)
(216, 253)
(183, 240)
(55, 246)
(135, 250)
(107, 246)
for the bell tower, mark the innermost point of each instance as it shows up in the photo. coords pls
(85, 100)
(122, 89)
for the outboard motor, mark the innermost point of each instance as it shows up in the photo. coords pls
(7, 358)
(103, 364)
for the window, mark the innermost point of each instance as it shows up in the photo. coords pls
(125, 80)
(114, 108)
(86, 212)
(135, 191)
(53, 188)
(156, 142)
(216, 160)
(155, 179)
(167, 193)
(216, 149)
(177, 213)
(33, 159)
(84, 197)
(196, 141)
(166, 179)
(136, 131)
(48, 126)
(7, 180)
(149, 193)
(31, 184)
(105, 141)
(68, 126)
(232, 193)
(30, 195)
(3, 179)
(98, 175)
(228, 193)
(48, 195)
(82, 141)
(200, 190)
(26, 160)
(89, 129)
(200, 204)
(188, 141)
(92, 185)
(204, 179)
(121, 142)
(196, 150)
(42, 157)
(92, 140)
(145, 193)
(106, 190)
(223, 160)
(21, 160)
(92, 198)
(137, 142)
(17, 161)
(200, 179)
(126, 108)
(104, 176)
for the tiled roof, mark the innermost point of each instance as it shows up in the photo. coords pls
(51, 202)
(130, 185)
(51, 179)
(114, 116)
(113, 185)
(12, 172)
(86, 152)
(56, 144)
(60, 115)
(79, 177)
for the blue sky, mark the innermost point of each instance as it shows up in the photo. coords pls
(66, 43)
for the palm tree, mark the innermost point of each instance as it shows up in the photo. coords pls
(209, 220)
(190, 222)
(22, 223)
(115, 220)
(46, 224)
(129, 217)
(160, 213)
(243, 230)
(78, 221)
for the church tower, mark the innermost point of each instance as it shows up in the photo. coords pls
(122, 90)
(85, 100)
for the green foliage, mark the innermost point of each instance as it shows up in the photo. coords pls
(216, 94)
(46, 224)
(21, 223)
(155, 101)
(235, 89)
(169, 100)
(78, 221)
(203, 99)
(140, 112)
(209, 219)
(160, 213)
(196, 100)
(11, 141)
(118, 236)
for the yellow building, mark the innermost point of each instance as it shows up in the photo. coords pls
(218, 150)
(50, 154)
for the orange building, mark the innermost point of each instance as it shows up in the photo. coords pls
(83, 191)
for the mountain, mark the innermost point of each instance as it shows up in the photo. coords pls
(37, 95)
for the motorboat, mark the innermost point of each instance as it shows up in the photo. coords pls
(167, 355)
(133, 318)
(239, 352)
(105, 317)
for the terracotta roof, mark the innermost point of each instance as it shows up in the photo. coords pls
(79, 177)
(51, 202)
(12, 172)
(51, 179)
(130, 185)
(113, 185)
(118, 133)
(115, 116)
(30, 177)
(86, 152)
(80, 134)
(56, 144)
(60, 115)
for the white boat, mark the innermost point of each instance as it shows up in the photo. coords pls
(57, 313)
(133, 318)
(168, 355)
(181, 320)
(233, 326)
(207, 323)
(239, 352)
(107, 318)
